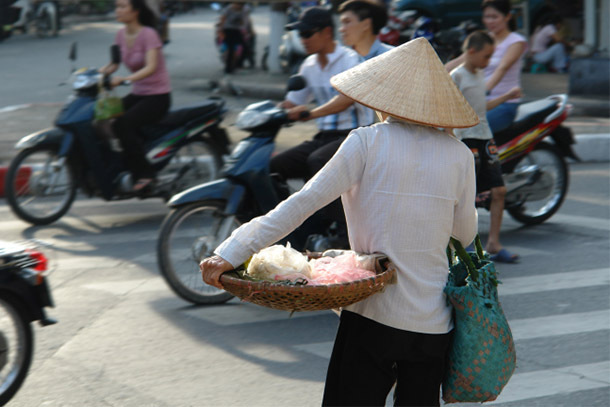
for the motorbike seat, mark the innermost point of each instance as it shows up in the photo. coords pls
(528, 115)
(180, 116)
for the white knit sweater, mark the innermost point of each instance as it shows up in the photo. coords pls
(405, 189)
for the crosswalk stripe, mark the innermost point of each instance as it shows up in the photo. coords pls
(556, 325)
(522, 329)
(555, 281)
(550, 382)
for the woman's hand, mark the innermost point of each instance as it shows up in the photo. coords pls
(116, 81)
(514, 93)
(212, 268)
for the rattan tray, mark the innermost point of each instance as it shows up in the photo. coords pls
(309, 298)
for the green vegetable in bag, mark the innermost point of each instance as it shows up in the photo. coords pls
(108, 107)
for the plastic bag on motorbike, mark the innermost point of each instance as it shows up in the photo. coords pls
(108, 106)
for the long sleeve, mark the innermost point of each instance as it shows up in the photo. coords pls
(465, 213)
(337, 176)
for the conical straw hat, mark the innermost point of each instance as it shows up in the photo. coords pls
(408, 82)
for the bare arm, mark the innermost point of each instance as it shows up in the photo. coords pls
(454, 63)
(337, 104)
(150, 66)
(109, 69)
(513, 53)
(511, 94)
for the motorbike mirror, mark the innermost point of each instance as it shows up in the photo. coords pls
(73, 52)
(115, 54)
(296, 82)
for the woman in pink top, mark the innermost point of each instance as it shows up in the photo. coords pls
(150, 97)
(504, 70)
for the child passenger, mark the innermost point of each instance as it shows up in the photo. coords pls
(469, 78)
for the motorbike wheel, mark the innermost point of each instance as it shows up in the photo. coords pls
(45, 25)
(16, 348)
(189, 234)
(195, 163)
(548, 158)
(40, 187)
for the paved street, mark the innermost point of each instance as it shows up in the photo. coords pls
(124, 339)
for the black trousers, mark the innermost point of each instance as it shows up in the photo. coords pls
(232, 38)
(139, 111)
(368, 358)
(306, 159)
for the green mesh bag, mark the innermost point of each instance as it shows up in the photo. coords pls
(108, 107)
(482, 355)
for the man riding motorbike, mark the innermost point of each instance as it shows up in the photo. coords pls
(335, 120)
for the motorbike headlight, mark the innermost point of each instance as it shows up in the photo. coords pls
(251, 118)
(85, 78)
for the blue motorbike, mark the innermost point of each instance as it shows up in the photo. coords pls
(185, 148)
(203, 216)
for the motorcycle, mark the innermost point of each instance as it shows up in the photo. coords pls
(535, 171)
(24, 294)
(409, 24)
(23, 15)
(185, 148)
(205, 215)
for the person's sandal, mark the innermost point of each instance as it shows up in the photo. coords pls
(142, 183)
(504, 256)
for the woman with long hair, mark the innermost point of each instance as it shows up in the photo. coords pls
(504, 70)
(150, 97)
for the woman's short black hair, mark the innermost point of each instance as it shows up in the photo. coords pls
(145, 16)
(367, 9)
(503, 6)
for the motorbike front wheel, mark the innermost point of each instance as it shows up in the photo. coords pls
(188, 235)
(16, 348)
(554, 180)
(40, 186)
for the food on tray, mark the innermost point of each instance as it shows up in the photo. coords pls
(276, 261)
(279, 263)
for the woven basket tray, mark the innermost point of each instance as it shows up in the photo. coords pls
(287, 297)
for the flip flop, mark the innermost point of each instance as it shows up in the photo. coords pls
(504, 256)
(142, 183)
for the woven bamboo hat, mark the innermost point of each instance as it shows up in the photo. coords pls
(408, 82)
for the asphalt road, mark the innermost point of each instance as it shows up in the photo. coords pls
(124, 339)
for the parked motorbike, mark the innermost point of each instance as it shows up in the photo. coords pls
(24, 294)
(185, 148)
(535, 171)
(205, 215)
(410, 24)
(25, 15)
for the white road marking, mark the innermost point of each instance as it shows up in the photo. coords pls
(556, 325)
(555, 281)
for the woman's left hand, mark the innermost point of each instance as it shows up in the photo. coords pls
(116, 81)
(212, 268)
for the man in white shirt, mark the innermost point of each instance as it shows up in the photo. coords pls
(406, 187)
(326, 59)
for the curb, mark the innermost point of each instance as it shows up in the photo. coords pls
(592, 147)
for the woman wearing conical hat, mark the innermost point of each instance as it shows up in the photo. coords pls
(406, 187)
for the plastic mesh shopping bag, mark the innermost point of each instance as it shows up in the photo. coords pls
(107, 107)
(482, 355)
